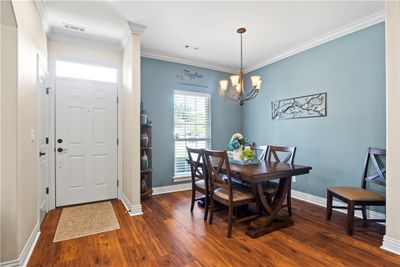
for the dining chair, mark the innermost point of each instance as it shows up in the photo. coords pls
(270, 188)
(261, 152)
(358, 198)
(199, 178)
(223, 190)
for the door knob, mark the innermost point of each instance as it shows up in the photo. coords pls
(60, 149)
(42, 153)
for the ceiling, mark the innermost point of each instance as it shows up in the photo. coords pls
(273, 28)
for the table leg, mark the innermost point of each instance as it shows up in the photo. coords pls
(272, 220)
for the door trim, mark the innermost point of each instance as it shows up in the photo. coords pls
(40, 67)
(53, 57)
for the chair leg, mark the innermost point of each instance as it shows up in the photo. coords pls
(206, 203)
(210, 219)
(193, 199)
(364, 214)
(350, 218)
(329, 200)
(230, 221)
(289, 201)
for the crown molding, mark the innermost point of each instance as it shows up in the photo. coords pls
(136, 28)
(41, 8)
(83, 39)
(324, 38)
(186, 62)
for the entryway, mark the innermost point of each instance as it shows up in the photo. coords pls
(85, 135)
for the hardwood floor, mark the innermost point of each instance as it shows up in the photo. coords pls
(167, 234)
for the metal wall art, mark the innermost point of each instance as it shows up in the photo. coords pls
(300, 107)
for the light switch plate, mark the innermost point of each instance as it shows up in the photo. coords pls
(33, 135)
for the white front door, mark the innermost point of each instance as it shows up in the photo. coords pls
(86, 141)
(43, 141)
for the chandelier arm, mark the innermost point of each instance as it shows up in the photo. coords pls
(251, 96)
(235, 98)
(250, 93)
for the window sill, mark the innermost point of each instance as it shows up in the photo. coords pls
(179, 179)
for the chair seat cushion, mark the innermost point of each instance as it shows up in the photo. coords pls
(356, 194)
(201, 184)
(239, 193)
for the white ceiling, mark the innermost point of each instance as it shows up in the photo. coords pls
(272, 27)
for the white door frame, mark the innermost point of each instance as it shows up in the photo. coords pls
(53, 57)
(40, 67)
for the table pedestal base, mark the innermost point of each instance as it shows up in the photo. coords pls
(273, 226)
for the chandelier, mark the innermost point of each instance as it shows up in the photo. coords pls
(237, 92)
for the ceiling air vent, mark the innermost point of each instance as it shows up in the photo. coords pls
(72, 27)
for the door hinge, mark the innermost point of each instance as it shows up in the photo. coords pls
(117, 183)
(47, 190)
(117, 141)
(47, 90)
(47, 140)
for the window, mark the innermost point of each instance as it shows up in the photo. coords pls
(192, 126)
(87, 72)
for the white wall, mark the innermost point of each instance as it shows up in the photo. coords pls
(22, 176)
(31, 42)
(392, 237)
(84, 52)
(9, 85)
(131, 124)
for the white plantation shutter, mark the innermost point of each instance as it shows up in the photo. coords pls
(192, 126)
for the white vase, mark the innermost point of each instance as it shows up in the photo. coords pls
(237, 154)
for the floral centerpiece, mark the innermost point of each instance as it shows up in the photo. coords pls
(237, 141)
(241, 148)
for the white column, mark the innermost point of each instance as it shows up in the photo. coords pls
(131, 120)
(391, 240)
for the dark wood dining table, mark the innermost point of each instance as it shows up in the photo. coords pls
(273, 218)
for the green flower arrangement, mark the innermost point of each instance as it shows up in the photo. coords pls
(248, 153)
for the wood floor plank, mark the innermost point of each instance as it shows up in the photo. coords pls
(169, 235)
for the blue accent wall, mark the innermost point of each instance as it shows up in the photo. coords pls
(351, 70)
(159, 80)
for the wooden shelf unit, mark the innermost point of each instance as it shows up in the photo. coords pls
(147, 173)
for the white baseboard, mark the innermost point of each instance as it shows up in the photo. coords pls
(391, 244)
(12, 263)
(133, 210)
(26, 252)
(171, 188)
(321, 201)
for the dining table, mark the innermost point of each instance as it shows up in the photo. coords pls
(273, 218)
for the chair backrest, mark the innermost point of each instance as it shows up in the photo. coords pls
(261, 152)
(290, 153)
(216, 160)
(373, 159)
(196, 160)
